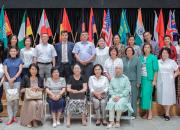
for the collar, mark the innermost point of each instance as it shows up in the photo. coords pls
(97, 78)
(120, 76)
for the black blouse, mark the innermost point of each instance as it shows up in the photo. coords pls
(25, 82)
(77, 84)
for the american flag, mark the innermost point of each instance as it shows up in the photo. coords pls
(106, 30)
(171, 27)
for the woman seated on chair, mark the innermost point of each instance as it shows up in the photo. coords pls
(77, 87)
(98, 85)
(56, 88)
(32, 109)
(119, 92)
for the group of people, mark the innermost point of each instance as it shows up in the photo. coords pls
(114, 78)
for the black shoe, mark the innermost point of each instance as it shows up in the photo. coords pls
(98, 124)
(167, 118)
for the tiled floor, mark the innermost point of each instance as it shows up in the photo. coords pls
(157, 123)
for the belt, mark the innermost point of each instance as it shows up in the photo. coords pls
(45, 63)
(64, 63)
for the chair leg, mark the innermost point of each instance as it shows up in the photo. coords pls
(90, 113)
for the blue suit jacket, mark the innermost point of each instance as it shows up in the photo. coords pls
(58, 48)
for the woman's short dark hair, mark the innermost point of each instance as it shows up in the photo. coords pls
(167, 36)
(117, 35)
(131, 49)
(75, 65)
(165, 49)
(54, 69)
(98, 41)
(131, 36)
(100, 67)
(113, 48)
(13, 47)
(147, 44)
(37, 68)
(28, 37)
(10, 38)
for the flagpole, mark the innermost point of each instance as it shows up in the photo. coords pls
(54, 38)
(97, 35)
(35, 40)
(73, 37)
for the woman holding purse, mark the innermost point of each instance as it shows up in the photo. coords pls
(12, 68)
(32, 109)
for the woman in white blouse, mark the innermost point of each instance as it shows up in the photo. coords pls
(110, 63)
(26, 54)
(102, 52)
(98, 85)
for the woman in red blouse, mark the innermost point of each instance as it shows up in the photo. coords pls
(167, 43)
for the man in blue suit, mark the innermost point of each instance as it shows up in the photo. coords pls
(65, 57)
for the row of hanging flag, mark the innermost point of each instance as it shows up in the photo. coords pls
(106, 32)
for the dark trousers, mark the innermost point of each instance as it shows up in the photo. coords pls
(87, 70)
(65, 70)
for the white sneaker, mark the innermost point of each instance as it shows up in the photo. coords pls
(109, 126)
(54, 125)
(117, 125)
(58, 123)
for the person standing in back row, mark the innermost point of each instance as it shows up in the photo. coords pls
(85, 54)
(64, 59)
(44, 56)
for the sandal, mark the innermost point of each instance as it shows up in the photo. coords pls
(29, 126)
(84, 123)
(145, 116)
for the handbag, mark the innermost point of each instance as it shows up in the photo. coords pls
(12, 94)
(29, 94)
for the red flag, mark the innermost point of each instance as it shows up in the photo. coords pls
(65, 25)
(92, 26)
(104, 16)
(160, 29)
(44, 26)
(8, 26)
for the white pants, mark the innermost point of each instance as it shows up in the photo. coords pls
(12, 106)
(112, 114)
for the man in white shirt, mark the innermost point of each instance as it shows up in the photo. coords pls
(44, 56)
